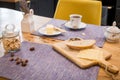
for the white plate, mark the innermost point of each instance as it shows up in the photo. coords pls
(81, 26)
(43, 32)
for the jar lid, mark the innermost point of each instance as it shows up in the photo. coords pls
(113, 28)
(10, 31)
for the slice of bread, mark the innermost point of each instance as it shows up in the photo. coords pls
(82, 44)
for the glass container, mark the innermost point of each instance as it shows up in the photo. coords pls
(112, 33)
(11, 39)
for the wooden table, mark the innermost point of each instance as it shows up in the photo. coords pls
(15, 17)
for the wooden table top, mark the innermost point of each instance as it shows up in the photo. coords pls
(7, 14)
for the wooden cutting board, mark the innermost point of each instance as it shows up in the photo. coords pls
(72, 54)
(98, 56)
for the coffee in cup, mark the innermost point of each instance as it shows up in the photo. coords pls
(75, 20)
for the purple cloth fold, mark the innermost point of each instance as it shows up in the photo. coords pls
(44, 64)
(91, 32)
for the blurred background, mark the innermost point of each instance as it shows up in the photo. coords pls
(110, 9)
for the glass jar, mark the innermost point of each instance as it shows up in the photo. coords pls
(11, 39)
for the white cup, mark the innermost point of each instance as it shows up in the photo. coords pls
(75, 20)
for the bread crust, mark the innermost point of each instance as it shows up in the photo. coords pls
(81, 44)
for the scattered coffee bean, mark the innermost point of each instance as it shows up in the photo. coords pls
(11, 59)
(26, 61)
(17, 62)
(32, 49)
(12, 54)
(24, 64)
(17, 59)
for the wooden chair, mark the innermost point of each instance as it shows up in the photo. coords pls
(89, 9)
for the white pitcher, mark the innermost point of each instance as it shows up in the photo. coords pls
(27, 23)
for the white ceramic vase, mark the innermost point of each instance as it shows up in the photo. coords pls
(27, 23)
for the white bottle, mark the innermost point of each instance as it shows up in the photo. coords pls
(27, 23)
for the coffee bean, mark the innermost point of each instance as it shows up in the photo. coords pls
(17, 59)
(32, 49)
(17, 62)
(26, 61)
(12, 54)
(11, 59)
(23, 61)
(24, 64)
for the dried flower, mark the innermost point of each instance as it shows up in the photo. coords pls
(24, 6)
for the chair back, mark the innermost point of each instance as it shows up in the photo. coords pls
(89, 9)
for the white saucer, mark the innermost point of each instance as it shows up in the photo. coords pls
(81, 26)
(43, 32)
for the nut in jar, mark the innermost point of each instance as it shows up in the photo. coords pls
(11, 39)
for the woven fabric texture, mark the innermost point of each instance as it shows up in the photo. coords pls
(91, 32)
(44, 64)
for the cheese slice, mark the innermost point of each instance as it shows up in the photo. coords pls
(91, 54)
(50, 29)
